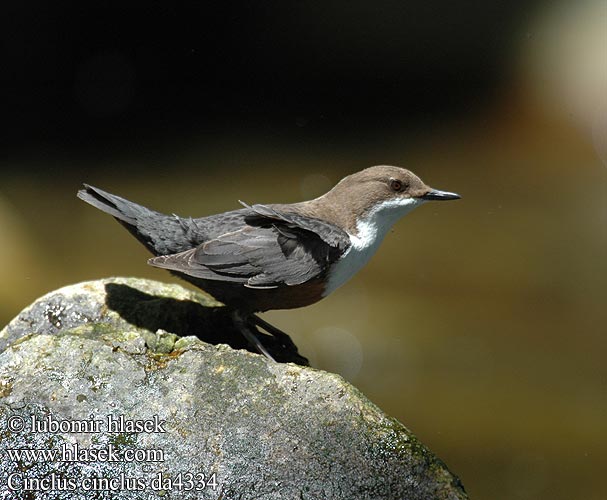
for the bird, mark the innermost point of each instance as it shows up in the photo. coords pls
(263, 257)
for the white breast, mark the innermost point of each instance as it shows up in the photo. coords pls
(371, 231)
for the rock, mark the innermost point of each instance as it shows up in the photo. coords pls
(149, 306)
(175, 417)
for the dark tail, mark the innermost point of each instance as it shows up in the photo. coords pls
(124, 210)
(161, 234)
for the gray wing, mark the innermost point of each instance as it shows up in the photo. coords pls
(271, 249)
(329, 233)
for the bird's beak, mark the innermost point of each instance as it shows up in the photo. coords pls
(436, 195)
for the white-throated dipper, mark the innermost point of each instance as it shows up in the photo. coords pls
(278, 256)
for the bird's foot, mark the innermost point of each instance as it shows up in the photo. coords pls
(279, 346)
(279, 335)
(243, 324)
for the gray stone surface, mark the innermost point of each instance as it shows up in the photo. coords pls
(119, 303)
(258, 429)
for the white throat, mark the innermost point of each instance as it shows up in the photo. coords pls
(371, 230)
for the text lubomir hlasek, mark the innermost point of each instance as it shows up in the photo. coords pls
(109, 424)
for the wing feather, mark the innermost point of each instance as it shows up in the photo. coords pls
(270, 249)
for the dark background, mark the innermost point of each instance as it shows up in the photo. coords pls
(111, 79)
(480, 324)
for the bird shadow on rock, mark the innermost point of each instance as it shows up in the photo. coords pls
(213, 325)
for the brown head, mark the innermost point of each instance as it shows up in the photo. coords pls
(382, 193)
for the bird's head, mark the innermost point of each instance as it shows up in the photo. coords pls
(386, 191)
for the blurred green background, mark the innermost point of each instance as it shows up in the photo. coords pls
(480, 324)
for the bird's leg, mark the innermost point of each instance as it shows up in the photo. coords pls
(281, 336)
(242, 324)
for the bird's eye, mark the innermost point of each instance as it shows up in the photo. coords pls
(396, 185)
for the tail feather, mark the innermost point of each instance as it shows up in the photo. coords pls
(123, 210)
(162, 234)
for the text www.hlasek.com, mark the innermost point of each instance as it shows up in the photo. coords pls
(75, 453)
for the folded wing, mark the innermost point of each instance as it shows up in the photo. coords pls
(271, 249)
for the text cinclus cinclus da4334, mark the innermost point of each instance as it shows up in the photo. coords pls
(278, 256)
